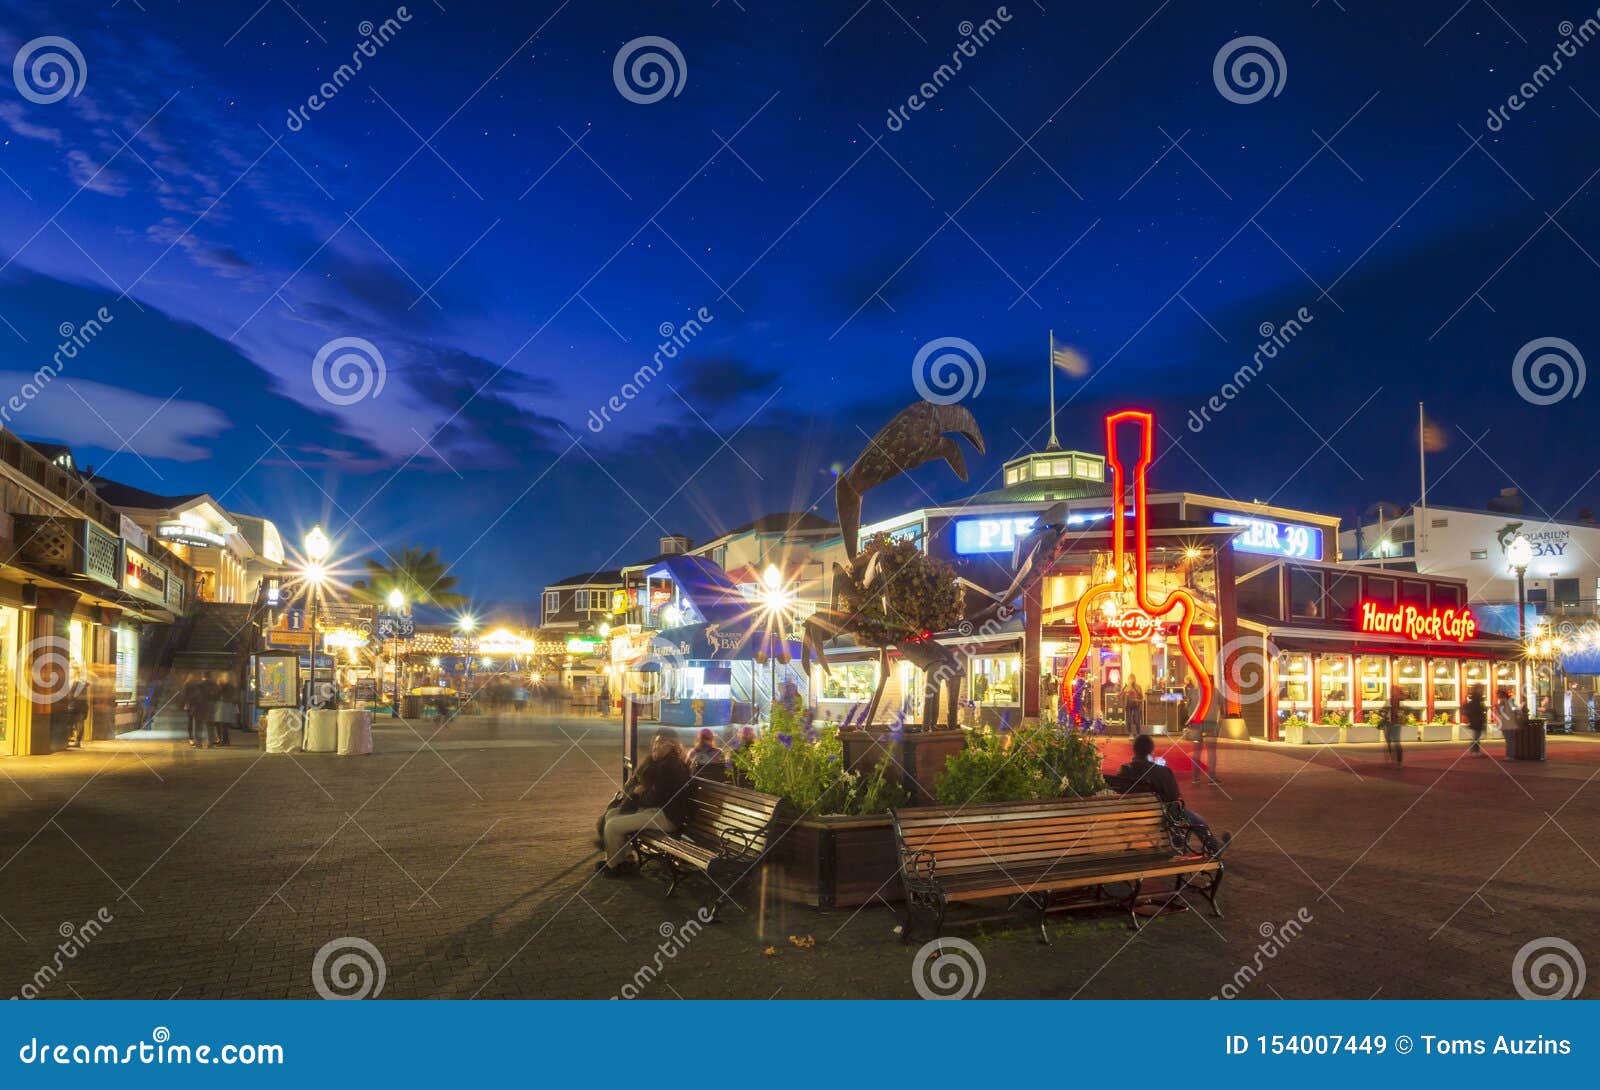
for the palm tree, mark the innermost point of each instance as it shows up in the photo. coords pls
(419, 574)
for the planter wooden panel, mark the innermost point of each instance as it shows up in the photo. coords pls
(1363, 733)
(917, 757)
(837, 862)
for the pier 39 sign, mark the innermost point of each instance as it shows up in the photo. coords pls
(1454, 625)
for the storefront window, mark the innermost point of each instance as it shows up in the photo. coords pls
(8, 661)
(1380, 590)
(1477, 673)
(127, 662)
(996, 680)
(1334, 682)
(1505, 680)
(1409, 681)
(1305, 592)
(1446, 687)
(1344, 596)
(1374, 683)
(1294, 686)
(852, 681)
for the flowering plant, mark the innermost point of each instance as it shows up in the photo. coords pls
(805, 765)
(1043, 761)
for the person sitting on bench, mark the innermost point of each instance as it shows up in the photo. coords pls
(659, 790)
(1159, 778)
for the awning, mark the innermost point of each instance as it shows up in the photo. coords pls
(721, 642)
(709, 592)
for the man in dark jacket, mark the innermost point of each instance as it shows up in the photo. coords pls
(1159, 778)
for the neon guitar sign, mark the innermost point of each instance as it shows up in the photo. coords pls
(1145, 617)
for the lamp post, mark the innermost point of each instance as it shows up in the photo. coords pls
(466, 625)
(1519, 554)
(317, 546)
(397, 602)
(775, 604)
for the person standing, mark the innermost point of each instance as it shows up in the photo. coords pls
(1477, 715)
(1133, 707)
(77, 709)
(225, 711)
(189, 698)
(1392, 726)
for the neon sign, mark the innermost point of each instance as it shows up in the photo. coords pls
(975, 536)
(1456, 625)
(1273, 538)
(1146, 612)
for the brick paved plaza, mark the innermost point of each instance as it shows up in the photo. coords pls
(468, 864)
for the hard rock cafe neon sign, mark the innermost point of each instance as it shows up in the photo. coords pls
(1453, 625)
(1146, 616)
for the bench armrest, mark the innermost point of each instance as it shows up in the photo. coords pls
(737, 844)
(918, 865)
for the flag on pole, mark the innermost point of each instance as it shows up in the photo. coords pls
(1069, 360)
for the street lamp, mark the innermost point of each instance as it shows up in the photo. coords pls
(1519, 554)
(397, 603)
(467, 624)
(317, 547)
(774, 598)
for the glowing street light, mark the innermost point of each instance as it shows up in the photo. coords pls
(317, 547)
(1519, 554)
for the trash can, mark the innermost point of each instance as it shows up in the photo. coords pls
(1526, 742)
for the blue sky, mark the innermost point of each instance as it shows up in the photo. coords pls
(510, 232)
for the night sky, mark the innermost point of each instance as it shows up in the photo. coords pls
(485, 206)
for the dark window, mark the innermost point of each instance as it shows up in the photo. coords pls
(1380, 590)
(1344, 594)
(1538, 598)
(1414, 592)
(1305, 593)
(1480, 554)
(1566, 592)
(1258, 597)
(1446, 596)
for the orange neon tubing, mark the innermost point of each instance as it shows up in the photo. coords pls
(1179, 599)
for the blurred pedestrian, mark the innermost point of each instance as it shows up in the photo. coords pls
(1392, 726)
(1477, 715)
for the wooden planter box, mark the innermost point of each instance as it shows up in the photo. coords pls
(1361, 732)
(837, 862)
(1435, 732)
(917, 757)
(1317, 734)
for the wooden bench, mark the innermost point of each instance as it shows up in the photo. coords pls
(1033, 851)
(1186, 838)
(726, 834)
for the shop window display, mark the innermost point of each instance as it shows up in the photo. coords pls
(1410, 684)
(995, 680)
(1446, 690)
(852, 681)
(1294, 687)
(1335, 688)
(1374, 687)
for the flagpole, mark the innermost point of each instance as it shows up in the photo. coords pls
(1054, 444)
(1420, 533)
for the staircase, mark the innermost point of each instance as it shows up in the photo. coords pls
(220, 635)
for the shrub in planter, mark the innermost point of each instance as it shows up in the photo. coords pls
(806, 767)
(1032, 763)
